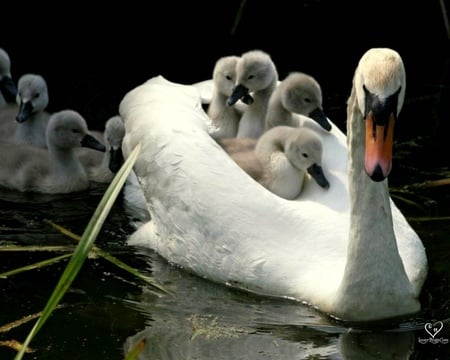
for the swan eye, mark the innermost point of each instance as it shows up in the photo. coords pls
(308, 100)
(228, 77)
(75, 131)
(305, 155)
(36, 96)
(250, 77)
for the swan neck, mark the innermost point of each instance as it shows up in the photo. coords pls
(65, 161)
(253, 121)
(277, 114)
(375, 283)
(261, 99)
(218, 101)
(29, 132)
(272, 142)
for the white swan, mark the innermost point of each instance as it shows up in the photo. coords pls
(298, 93)
(8, 89)
(54, 170)
(348, 251)
(282, 158)
(101, 167)
(256, 74)
(224, 118)
(27, 122)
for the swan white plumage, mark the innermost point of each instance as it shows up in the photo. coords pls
(8, 89)
(348, 251)
(55, 170)
(282, 158)
(26, 123)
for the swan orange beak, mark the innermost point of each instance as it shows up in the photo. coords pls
(379, 143)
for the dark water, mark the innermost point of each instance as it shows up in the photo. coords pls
(107, 310)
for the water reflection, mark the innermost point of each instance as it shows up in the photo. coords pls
(215, 322)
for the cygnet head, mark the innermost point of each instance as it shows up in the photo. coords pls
(32, 96)
(5, 63)
(67, 129)
(114, 134)
(224, 74)
(8, 88)
(255, 71)
(304, 150)
(301, 94)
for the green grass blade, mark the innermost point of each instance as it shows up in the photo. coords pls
(107, 256)
(84, 246)
(34, 266)
(64, 231)
(428, 218)
(130, 269)
(32, 248)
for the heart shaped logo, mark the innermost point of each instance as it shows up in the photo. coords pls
(433, 329)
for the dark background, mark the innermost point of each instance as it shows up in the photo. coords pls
(91, 57)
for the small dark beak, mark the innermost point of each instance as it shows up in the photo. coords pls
(247, 99)
(319, 117)
(91, 142)
(239, 92)
(25, 110)
(317, 174)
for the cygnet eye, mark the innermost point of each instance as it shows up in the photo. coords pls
(305, 155)
(308, 100)
(75, 131)
(228, 77)
(36, 96)
(250, 77)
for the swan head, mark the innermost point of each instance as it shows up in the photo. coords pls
(380, 84)
(224, 74)
(114, 134)
(8, 88)
(301, 94)
(304, 150)
(32, 96)
(67, 129)
(255, 71)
